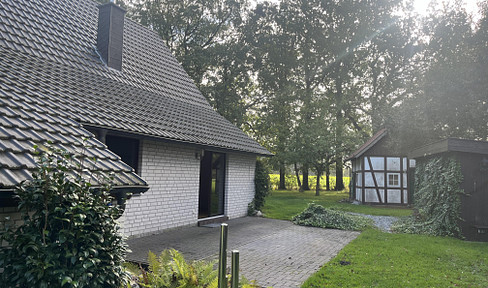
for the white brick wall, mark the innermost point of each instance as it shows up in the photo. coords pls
(240, 184)
(173, 175)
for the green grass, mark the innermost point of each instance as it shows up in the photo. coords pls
(378, 259)
(284, 204)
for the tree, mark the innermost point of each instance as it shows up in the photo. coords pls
(451, 101)
(273, 65)
(351, 26)
(204, 37)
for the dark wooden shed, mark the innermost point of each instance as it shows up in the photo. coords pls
(473, 157)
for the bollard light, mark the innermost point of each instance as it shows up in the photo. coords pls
(235, 269)
(222, 281)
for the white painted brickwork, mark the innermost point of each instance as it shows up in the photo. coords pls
(240, 184)
(172, 173)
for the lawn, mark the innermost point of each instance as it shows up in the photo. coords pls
(378, 259)
(284, 204)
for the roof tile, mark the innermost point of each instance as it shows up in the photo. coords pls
(51, 82)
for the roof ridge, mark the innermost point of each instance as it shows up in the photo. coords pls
(369, 143)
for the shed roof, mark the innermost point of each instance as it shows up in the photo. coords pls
(450, 145)
(52, 82)
(368, 144)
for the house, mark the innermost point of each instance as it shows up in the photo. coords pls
(75, 73)
(473, 157)
(379, 174)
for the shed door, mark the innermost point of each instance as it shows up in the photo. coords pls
(212, 177)
(480, 195)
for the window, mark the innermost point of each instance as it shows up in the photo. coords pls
(394, 180)
(126, 148)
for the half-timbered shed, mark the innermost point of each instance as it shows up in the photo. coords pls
(379, 175)
(473, 157)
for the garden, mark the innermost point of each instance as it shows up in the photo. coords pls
(381, 259)
(70, 238)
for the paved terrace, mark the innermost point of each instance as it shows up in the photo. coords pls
(273, 252)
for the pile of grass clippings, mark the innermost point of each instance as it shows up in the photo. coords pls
(318, 216)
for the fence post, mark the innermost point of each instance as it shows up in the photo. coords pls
(235, 269)
(222, 281)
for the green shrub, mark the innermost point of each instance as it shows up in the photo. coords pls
(261, 186)
(69, 236)
(318, 216)
(437, 201)
(170, 269)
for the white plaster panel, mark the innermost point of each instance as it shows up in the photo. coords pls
(393, 163)
(371, 196)
(366, 164)
(359, 194)
(368, 179)
(380, 179)
(394, 196)
(405, 196)
(382, 195)
(404, 163)
(378, 163)
(405, 180)
(359, 179)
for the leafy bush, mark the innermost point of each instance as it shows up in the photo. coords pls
(318, 216)
(69, 236)
(437, 201)
(261, 186)
(170, 269)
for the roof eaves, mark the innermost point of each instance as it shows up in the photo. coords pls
(450, 145)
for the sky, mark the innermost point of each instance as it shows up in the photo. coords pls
(420, 6)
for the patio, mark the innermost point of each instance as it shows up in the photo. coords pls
(273, 252)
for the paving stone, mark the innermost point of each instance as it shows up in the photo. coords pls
(273, 252)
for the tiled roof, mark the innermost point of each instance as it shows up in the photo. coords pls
(28, 117)
(151, 96)
(52, 82)
(368, 144)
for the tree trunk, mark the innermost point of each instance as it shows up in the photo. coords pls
(339, 174)
(297, 174)
(339, 134)
(327, 178)
(317, 186)
(305, 185)
(282, 185)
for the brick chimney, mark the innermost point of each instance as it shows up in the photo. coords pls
(110, 34)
